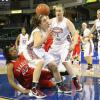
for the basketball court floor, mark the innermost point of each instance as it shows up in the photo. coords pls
(90, 81)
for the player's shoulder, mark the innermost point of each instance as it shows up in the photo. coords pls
(20, 34)
(10, 64)
(96, 20)
(21, 56)
(35, 30)
(27, 34)
(87, 30)
(53, 19)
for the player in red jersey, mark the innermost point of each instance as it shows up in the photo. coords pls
(18, 68)
(77, 50)
(48, 43)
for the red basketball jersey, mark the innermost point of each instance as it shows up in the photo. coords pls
(22, 72)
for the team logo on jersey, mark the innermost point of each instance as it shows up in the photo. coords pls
(57, 30)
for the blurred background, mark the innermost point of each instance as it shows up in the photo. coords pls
(17, 13)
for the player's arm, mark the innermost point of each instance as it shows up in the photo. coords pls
(73, 31)
(38, 39)
(11, 79)
(92, 30)
(17, 41)
(28, 37)
(91, 35)
(87, 38)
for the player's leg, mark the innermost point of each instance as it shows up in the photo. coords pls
(89, 61)
(88, 53)
(35, 91)
(45, 80)
(52, 66)
(68, 65)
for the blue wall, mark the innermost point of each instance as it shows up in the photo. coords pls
(95, 58)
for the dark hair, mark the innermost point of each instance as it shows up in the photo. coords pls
(6, 53)
(36, 20)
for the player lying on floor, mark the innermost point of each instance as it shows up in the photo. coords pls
(18, 68)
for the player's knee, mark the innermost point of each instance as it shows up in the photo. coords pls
(41, 62)
(66, 62)
(53, 67)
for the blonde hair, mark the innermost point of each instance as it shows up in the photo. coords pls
(59, 6)
(98, 10)
(84, 23)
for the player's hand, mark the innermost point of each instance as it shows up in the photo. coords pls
(94, 36)
(50, 31)
(71, 47)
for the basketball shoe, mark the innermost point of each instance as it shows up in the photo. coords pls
(35, 92)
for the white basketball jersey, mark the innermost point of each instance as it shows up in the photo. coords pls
(60, 30)
(86, 32)
(98, 27)
(23, 40)
(43, 34)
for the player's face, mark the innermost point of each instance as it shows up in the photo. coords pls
(83, 26)
(98, 14)
(23, 30)
(45, 22)
(59, 12)
(13, 52)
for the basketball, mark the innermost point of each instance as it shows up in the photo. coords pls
(42, 9)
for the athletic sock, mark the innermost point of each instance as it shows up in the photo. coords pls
(74, 76)
(60, 83)
(89, 65)
(34, 85)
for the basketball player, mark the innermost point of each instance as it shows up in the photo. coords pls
(22, 40)
(61, 48)
(96, 26)
(18, 68)
(77, 50)
(88, 46)
(39, 36)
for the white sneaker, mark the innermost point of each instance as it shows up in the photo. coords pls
(37, 93)
(63, 89)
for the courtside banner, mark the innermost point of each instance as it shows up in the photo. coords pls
(95, 58)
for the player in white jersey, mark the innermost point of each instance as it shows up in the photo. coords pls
(61, 47)
(39, 36)
(22, 40)
(88, 45)
(96, 26)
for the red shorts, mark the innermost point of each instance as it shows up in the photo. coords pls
(26, 81)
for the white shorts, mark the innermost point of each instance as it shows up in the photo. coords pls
(88, 49)
(40, 52)
(60, 52)
(21, 49)
(31, 62)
